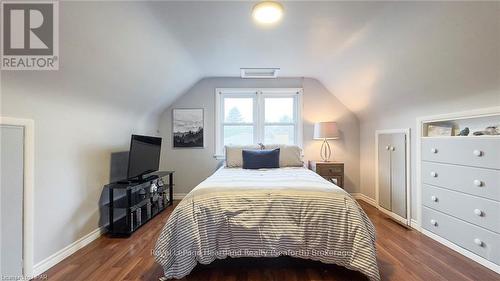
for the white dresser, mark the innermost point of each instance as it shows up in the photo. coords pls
(460, 194)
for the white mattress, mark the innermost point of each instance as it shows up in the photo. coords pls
(240, 180)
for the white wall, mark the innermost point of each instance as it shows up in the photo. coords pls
(119, 67)
(440, 57)
(73, 145)
(191, 166)
(406, 118)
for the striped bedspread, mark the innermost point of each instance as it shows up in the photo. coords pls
(267, 213)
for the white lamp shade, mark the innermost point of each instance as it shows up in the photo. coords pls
(326, 130)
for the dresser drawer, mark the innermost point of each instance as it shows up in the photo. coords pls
(473, 238)
(476, 210)
(327, 170)
(469, 151)
(476, 181)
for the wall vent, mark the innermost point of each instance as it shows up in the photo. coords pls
(259, 72)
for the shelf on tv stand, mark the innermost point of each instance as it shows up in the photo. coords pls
(139, 204)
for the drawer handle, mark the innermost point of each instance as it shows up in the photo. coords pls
(434, 222)
(478, 183)
(478, 153)
(478, 242)
(393, 148)
(434, 174)
(478, 212)
(434, 198)
(387, 147)
(434, 150)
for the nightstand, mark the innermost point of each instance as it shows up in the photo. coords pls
(332, 171)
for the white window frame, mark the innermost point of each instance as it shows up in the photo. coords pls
(258, 94)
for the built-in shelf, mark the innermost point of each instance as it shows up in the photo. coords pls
(451, 127)
(465, 137)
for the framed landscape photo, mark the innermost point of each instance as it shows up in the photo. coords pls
(187, 127)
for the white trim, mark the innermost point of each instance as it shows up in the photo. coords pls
(218, 140)
(28, 188)
(415, 225)
(371, 201)
(394, 216)
(418, 159)
(461, 137)
(405, 131)
(300, 118)
(475, 113)
(258, 122)
(67, 251)
(179, 195)
(460, 250)
(361, 196)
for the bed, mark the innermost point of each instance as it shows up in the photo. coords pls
(267, 213)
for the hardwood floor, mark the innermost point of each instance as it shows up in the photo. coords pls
(402, 255)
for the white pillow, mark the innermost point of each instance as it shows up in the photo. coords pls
(234, 154)
(290, 155)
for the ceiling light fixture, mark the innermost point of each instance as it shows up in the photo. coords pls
(267, 12)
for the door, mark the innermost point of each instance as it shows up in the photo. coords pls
(398, 174)
(11, 200)
(384, 171)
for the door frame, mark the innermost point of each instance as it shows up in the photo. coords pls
(28, 126)
(398, 218)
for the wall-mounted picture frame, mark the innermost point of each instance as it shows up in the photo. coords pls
(187, 127)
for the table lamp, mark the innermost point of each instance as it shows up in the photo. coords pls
(326, 131)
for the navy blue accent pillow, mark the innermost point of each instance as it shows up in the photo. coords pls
(258, 159)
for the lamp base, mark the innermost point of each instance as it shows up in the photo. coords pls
(326, 151)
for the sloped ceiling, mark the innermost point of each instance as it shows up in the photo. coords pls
(372, 55)
(114, 54)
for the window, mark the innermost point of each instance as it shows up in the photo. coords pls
(238, 120)
(251, 116)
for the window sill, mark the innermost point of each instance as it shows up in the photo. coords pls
(219, 157)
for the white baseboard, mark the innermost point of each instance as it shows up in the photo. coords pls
(67, 251)
(414, 225)
(179, 196)
(371, 201)
(365, 198)
(470, 255)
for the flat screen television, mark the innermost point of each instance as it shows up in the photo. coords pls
(144, 156)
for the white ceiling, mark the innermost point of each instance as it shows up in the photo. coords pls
(371, 55)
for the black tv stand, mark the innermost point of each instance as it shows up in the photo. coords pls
(134, 203)
(140, 179)
(123, 182)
